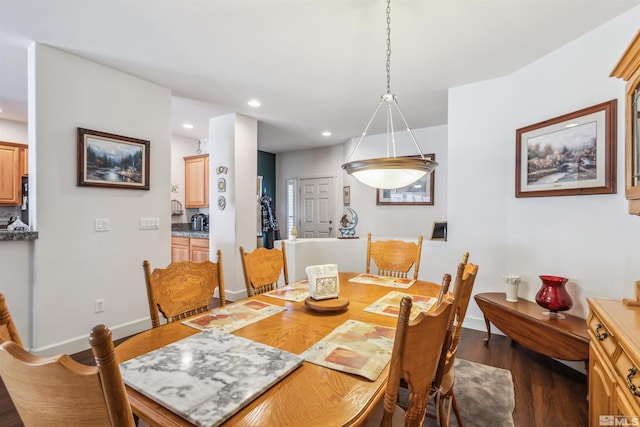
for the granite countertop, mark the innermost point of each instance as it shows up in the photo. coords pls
(6, 236)
(193, 234)
(184, 230)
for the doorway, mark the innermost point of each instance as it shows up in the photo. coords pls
(317, 207)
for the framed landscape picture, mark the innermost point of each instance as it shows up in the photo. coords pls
(417, 193)
(572, 154)
(108, 160)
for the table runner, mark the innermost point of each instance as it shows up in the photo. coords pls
(389, 305)
(374, 279)
(296, 292)
(209, 376)
(355, 347)
(234, 316)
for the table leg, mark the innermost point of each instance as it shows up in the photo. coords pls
(486, 321)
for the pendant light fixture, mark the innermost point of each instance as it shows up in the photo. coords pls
(390, 171)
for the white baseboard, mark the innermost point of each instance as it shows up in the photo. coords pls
(81, 343)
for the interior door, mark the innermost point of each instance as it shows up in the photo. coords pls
(317, 200)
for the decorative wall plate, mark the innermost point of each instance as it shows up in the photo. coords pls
(222, 203)
(222, 185)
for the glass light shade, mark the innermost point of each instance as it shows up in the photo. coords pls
(390, 172)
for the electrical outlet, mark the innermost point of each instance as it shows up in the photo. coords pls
(99, 305)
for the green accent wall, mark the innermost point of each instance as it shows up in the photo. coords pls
(267, 169)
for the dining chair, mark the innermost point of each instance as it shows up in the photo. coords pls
(394, 257)
(60, 392)
(183, 288)
(444, 379)
(8, 331)
(262, 269)
(414, 358)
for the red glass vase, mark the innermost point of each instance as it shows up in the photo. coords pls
(553, 296)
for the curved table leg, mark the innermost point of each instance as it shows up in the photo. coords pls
(486, 321)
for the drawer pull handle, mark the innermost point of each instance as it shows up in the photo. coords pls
(632, 387)
(603, 335)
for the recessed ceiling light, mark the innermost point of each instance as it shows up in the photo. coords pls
(254, 103)
(326, 133)
(571, 125)
(187, 126)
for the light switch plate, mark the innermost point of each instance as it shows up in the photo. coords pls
(103, 224)
(149, 223)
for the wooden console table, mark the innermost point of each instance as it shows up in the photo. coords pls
(523, 322)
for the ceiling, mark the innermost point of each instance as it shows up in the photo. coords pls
(315, 65)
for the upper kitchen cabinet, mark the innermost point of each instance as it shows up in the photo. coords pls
(11, 172)
(196, 181)
(628, 69)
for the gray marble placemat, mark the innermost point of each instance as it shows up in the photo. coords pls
(208, 377)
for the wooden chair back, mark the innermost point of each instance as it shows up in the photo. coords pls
(394, 257)
(262, 269)
(60, 392)
(414, 358)
(462, 289)
(8, 331)
(183, 289)
(443, 381)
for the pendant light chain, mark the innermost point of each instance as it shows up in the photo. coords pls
(388, 46)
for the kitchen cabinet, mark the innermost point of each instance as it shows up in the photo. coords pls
(24, 161)
(189, 248)
(628, 69)
(179, 248)
(198, 249)
(196, 181)
(10, 174)
(614, 360)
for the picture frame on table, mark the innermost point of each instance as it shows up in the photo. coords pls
(417, 193)
(573, 154)
(346, 195)
(112, 161)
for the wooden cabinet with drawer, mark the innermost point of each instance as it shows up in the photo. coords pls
(614, 362)
(189, 248)
(198, 249)
(179, 248)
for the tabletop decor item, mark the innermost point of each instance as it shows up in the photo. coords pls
(553, 296)
(294, 233)
(323, 281)
(511, 282)
(348, 229)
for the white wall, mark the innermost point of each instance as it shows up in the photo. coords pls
(379, 220)
(12, 131)
(589, 239)
(73, 264)
(236, 147)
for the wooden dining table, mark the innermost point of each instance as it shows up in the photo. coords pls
(311, 395)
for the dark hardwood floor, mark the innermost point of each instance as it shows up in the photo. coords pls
(547, 392)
